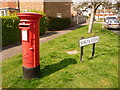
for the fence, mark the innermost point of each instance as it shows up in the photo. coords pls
(78, 20)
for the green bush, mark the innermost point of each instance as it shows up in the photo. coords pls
(58, 23)
(10, 31)
(43, 25)
(43, 21)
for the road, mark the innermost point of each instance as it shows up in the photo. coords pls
(115, 30)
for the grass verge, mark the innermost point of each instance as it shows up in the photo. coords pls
(61, 70)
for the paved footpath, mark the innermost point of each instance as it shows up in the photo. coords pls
(12, 50)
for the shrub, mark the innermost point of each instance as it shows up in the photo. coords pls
(10, 31)
(58, 23)
(43, 25)
(43, 21)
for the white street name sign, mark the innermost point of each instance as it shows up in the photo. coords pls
(88, 41)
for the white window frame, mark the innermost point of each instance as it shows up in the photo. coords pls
(59, 15)
(5, 12)
(24, 10)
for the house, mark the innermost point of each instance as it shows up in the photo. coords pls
(52, 9)
(100, 14)
(7, 8)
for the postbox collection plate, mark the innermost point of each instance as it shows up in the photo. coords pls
(24, 35)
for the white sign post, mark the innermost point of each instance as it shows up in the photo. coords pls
(87, 41)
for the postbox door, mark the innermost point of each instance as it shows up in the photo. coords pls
(35, 42)
(27, 45)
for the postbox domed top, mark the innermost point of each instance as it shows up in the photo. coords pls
(29, 13)
(29, 16)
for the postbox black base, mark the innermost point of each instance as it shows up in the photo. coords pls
(29, 73)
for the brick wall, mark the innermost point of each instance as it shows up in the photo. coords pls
(31, 6)
(8, 4)
(52, 8)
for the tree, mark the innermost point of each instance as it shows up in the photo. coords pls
(105, 6)
(76, 8)
(117, 5)
(93, 4)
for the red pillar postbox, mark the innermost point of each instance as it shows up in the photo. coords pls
(29, 26)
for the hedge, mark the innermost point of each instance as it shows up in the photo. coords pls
(10, 31)
(43, 21)
(58, 23)
(43, 25)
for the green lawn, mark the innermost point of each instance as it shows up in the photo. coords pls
(61, 70)
(99, 21)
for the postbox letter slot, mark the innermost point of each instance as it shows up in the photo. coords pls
(24, 26)
(24, 35)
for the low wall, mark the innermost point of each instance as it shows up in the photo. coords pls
(78, 20)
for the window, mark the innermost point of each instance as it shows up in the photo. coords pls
(25, 10)
(3, 13)
(111, 18)
(59, 15)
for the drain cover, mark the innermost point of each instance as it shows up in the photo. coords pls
(72, 52)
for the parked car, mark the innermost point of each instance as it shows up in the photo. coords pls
(110, 18)
(114, 24)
